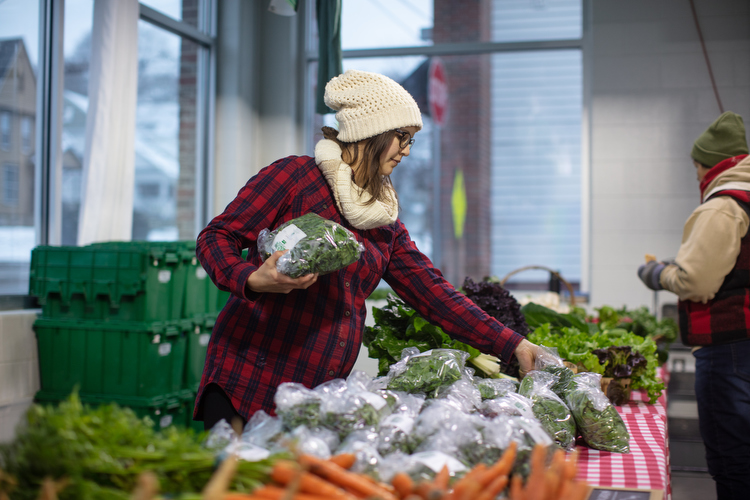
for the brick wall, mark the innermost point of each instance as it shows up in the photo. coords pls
(188, 92)
(465, 139)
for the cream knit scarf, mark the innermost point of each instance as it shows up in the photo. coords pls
(350, 198)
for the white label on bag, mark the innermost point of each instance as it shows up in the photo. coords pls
(426, 353)
(200, 273)
(165, 349)
(203, 339)
(165, 421)
(435, 460)
(373, 400)
(401, 422)
(164, 276)
(287, 238)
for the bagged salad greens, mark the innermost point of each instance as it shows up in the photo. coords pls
(548, 408)
(297, 405)
(596, 418)
(428, 371)
(492, 388)
(315, 244)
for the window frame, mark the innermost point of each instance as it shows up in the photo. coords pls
(49, 109)
(584, 44)
(48, 123)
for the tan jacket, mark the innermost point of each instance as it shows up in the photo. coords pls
(710, 240)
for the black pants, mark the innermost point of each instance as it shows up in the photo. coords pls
(216, 406)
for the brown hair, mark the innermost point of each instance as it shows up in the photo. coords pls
(367, 175)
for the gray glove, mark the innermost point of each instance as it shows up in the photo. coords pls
(650, 273)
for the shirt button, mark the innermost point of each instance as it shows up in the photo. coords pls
(342, 344)
(347, 284)
(347, 313)
(325, 206)
(331, 373)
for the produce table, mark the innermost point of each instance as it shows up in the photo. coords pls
(647, 464)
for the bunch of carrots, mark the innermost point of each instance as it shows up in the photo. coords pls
(311, 478)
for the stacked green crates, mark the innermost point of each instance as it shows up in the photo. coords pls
(126, 322)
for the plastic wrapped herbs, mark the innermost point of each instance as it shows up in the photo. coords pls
(548, 408)
(297, 405)
(597, 419)
(315, 244)
(428, 371)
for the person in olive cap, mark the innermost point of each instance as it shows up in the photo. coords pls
(711, 277)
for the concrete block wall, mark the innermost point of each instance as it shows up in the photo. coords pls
(19, 368)
(651, 98)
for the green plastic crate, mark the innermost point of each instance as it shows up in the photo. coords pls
(201, 295)
(117, 281)
(197, 345)
(113, 359)
(164, 411)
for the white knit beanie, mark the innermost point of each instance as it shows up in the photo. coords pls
(368, 104)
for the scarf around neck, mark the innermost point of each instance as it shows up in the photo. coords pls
(350, 198)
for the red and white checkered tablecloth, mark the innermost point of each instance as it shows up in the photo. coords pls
(647, 464)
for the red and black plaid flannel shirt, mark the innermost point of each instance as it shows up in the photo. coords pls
(314, 335)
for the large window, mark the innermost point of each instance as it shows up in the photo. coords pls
(494, 181)
(175, 48)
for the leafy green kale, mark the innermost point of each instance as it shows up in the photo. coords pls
(496, 301)
(537, 315)
(315, 244)
(596, 418)
(398, 326)
(427, 372)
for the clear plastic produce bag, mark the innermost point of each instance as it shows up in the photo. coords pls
(428, 371)
(315, 244)
(597, 419)
(297, 405)
(492, 388)
(264, 430)
(550, 361)
(510, 405)
(548, 408)
(363, 445)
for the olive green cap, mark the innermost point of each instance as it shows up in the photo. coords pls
(723, 139)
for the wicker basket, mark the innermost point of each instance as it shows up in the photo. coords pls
(551, 271)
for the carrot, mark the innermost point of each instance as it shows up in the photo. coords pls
(442, 478)
(469, 491)
(535, 485)
(502, 467)
(339, 476)
(403, 484)
(459, 489)
(516, 489)
(241, 496)
(344, 460)
(578, 490)
(428, 490)
(270, 492)
(285, 472)
(494, 488)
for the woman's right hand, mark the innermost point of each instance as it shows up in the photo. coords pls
(268, 279)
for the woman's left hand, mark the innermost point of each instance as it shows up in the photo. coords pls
(526, 353)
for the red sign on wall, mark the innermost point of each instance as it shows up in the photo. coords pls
(437, 94)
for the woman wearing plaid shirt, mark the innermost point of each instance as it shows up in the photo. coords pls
(276, 329)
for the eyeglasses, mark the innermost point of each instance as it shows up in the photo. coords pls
(404, 138)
